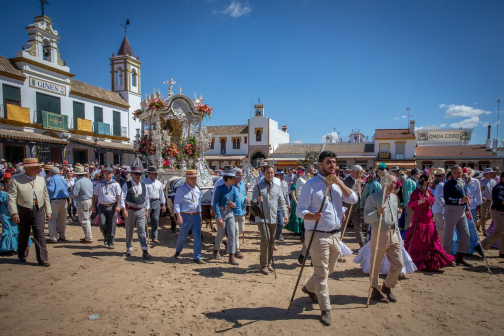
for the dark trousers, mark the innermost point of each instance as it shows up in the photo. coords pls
(108, 224)
(280, 224)
(28, 219)
(154, 213)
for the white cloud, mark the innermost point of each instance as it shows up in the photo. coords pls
(442, 105)
(237, 9)
(455, 111)
(428, 128)
(299, 141)
(467, 123)
(496, 123)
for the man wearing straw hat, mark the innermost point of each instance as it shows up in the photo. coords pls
(387, 240)
(187, 208)
(107, 194)
(135, 208)
(157, 201)
(29, 206)
(82, 193)
(325, 248)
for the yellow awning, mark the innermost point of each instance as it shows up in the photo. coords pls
(18, 113)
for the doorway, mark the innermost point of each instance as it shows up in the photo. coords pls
(256, 158)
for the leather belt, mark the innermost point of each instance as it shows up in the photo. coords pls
(190, 213)
(131, 208)
(107, 205)
(153, 199)
(331, 232)
(54, 199)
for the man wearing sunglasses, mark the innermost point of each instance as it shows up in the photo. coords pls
(107, 192)
(135, 206)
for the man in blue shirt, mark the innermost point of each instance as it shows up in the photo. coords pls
(239, 211)
(187, 208)
(58, 194)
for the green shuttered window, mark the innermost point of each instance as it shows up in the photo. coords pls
(78, 112)
(116, 125)
(98, 114)
(47, 103)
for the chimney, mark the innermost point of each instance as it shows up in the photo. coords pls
(488, 132)
(284, 128)
(412, 126)
(494, 145)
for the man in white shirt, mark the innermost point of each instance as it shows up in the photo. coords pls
(135, 206)
(157, 201)
(475, 191)
(487, 183)
(439, 204)
(325, 248)
(107, 195)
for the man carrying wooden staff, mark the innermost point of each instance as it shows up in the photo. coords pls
(384, 238)
(325, 248)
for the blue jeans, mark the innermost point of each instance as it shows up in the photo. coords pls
(280, 225)
(190, 223)
(474, 215)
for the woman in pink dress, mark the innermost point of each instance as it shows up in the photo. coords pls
(426, 251)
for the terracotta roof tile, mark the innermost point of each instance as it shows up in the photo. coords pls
(29, 136)
(8, 68)
(401, 133)
(294, 148)
(453, 152)
(80, 88)
(350, 148)
(228, 130)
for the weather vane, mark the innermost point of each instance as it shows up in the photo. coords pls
(125, 25)
(259, 100)
(42, 4)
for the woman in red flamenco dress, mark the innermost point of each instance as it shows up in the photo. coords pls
(427, 251)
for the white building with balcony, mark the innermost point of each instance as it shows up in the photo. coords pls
(396, 147)
(48, 114)
(255, 141)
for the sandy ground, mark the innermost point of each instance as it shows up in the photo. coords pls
(164, 296)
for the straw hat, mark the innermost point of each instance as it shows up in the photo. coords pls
(79, 170)
(440, 171)
(191, 173)
(48, 167)
(31, 162)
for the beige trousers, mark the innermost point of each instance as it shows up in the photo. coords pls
(265, 257)
(240, 228)
(409, 217)
(324, 251)
(498, 218)
(57, 223)
(485, 215)
(388, 243)
(440, 224)
(84, 212)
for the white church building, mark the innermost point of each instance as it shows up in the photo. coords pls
(48, 114)
(253, 142)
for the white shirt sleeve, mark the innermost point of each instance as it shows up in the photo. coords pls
(124, 191)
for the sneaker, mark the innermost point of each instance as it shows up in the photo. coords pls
(51, 241)
(128, 253)
(281, 238)
(325, 318)
(111, 246)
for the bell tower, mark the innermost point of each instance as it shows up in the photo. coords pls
(125, 71)
(259, 110)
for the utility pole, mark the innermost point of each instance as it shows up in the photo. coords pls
(498, 117)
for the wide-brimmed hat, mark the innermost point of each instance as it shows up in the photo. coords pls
(152, 169)
(279, 172)
(229, 172)
(48, 167)
(2, 160)
(440, 171)
(31, 162)
(135, 169)
(86, 164)
(108, 170)
(470, 172)
(262, 164)
(191, 173)
(488, 171)
(477, 174)
(395, 168)
(79, 170)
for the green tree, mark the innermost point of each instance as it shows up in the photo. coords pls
(310, 158)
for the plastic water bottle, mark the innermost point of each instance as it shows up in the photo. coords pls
(94, 317)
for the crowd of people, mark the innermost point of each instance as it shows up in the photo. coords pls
(438, 213)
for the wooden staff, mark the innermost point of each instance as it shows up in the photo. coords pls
(373, 265)
(329, 180)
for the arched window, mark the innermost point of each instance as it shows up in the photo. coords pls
(223, 146)
(134, 78)
(212, 144)
(258, 135)
(119, 76)
(234, 143)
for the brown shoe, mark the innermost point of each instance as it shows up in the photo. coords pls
(155, 241)
(44, 263)
(402, 276)
(270, 268)
(459, 260)
(311, 295)
(264, 270)
(378, 296)
(387, 291)
(85, 241)
(239, 255)
(232, 260)
(217, 255)
(325, 318)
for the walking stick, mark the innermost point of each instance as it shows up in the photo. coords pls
(385, 183)
(266, 228)
(329, 181)
(347, 220)
(481, 247)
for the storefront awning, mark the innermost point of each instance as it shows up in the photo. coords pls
(224, 157)
(29, 138)
(104, 145)
(400, 164)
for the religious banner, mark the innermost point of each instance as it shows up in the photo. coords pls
(101, 128)
(18, 113)
(84, 125)
(54, 121)
(453, 136)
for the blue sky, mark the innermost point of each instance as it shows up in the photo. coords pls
(316, 65)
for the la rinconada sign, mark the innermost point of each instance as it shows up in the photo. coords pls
(47, 86)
